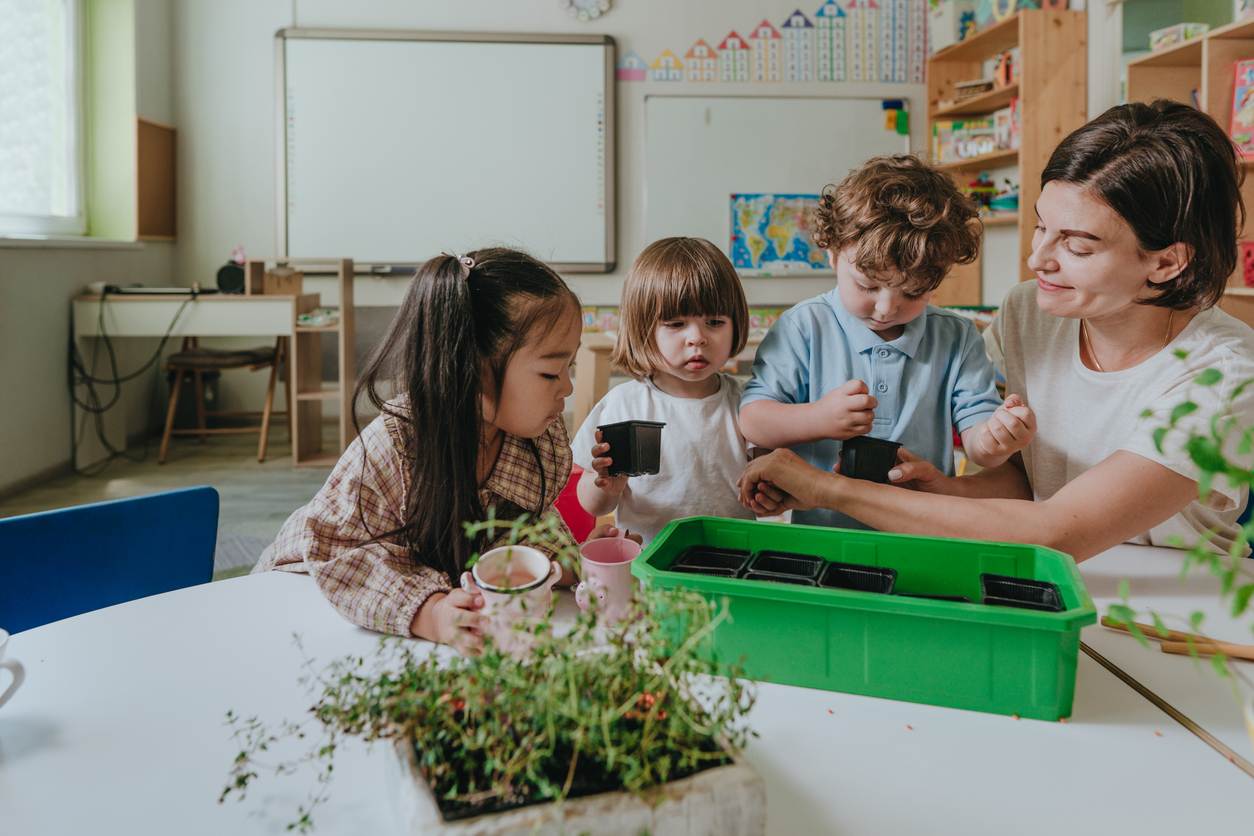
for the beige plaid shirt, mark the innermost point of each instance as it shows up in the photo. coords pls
(381, 586)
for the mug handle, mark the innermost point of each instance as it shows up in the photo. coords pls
(19, 675)
(468, 584)
(555, 575)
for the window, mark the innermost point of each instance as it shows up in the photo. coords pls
(41, 121)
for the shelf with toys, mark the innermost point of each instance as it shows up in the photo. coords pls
(1213, 71)
(1040, 89)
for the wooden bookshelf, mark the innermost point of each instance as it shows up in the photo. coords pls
(1204, 64)
(1052, 92)
(304, 370)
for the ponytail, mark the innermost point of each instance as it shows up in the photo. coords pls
(456, 330)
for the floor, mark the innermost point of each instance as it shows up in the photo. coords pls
(255, 497)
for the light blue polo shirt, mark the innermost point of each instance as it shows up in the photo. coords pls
(933, 378)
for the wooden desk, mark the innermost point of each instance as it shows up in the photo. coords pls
(119, 729)
(592, 370)
(223, 315)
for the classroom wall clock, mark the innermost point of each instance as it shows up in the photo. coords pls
(584, 10)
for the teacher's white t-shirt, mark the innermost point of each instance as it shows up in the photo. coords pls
(1084, 416)
(703, 454)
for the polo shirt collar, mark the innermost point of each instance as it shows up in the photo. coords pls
(862, 339)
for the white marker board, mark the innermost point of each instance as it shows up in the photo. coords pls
(395, 146)
(700, 150)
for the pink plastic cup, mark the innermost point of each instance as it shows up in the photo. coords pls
(606, 565)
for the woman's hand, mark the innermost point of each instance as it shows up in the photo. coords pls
(916, 474)
(780, 481)
(608, 530)
(451, 619)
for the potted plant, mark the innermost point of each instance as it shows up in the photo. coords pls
(1214, 446)
(619, 729)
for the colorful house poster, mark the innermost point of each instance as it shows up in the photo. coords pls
(864, 18)
(798, 47)
(630, 68)
(829, 37)
(667, 67)
(702, 62)
(767, 62)
(733, 58)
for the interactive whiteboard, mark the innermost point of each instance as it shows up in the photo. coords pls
(701, 150)
(396, 146)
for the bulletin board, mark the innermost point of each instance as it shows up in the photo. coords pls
(394, 146)
(702, 150)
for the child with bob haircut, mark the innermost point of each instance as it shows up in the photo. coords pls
(480, 354)
(871, 356)
(683, 316)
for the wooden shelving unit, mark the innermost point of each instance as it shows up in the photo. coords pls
(1052, 92)
(1204, 64)
(305, 364)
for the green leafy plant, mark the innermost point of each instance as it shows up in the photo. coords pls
(630, 706)
(1212, 445)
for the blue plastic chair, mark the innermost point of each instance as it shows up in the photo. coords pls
(62, 563)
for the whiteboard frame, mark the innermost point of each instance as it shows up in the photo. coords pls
(611, 126)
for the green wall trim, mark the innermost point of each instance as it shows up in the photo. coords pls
(111, 152)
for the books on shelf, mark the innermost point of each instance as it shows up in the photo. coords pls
(1241, 125)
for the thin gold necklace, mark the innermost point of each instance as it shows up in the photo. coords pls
(1088, 341)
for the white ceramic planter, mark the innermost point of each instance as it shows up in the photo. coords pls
(722, 801)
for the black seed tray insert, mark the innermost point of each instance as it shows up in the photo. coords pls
(708, 557)
(772, 576)
(705, 570)
(1025, 593)
(957, 599)
(858, 577)
(787, 563)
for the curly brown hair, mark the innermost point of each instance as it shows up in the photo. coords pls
(901, 214)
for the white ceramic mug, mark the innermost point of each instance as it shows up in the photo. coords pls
(516, 583)
(14, 666)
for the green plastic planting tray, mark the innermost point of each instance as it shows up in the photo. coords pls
(983, 658)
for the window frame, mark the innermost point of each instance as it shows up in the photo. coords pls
(13, 224)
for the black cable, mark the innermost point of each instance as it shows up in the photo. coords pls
(80, 376)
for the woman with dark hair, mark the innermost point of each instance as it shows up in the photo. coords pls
(1136, 236)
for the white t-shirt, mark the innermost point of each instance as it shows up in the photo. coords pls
(1084, 416)
(703, 454)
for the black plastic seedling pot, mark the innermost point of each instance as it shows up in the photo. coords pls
(868, 458)
(635, 447)
(858, 577)
(805, 566)
(1026, 594)
(696, 558)
(775, 578)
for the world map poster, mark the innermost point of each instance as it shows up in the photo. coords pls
(770, 234)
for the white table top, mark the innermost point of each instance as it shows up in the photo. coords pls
(1154, 582)
(118, 729)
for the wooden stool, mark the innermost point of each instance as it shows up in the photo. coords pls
(195, 360)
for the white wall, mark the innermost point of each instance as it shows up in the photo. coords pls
(36, 285)
(225, 106)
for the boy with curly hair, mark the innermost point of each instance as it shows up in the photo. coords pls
(871, 356)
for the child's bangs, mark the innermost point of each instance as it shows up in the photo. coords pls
(694, 292)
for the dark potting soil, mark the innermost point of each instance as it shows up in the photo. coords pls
(591, 778)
